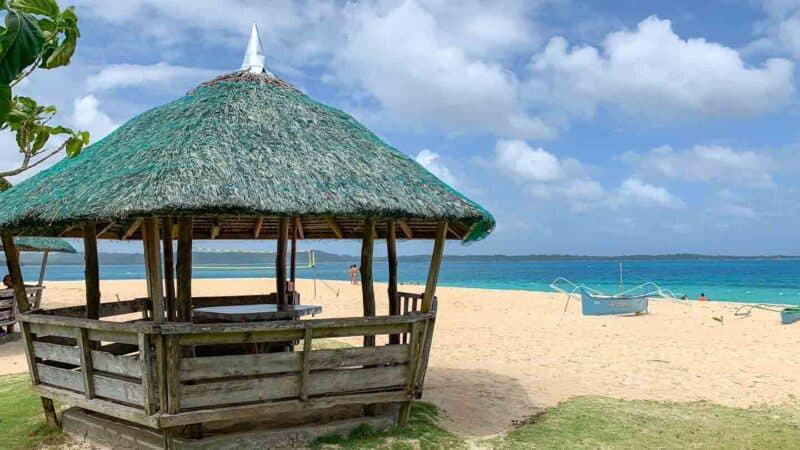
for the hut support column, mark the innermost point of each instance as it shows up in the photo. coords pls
(367, 288)
(169, 269)
(293, 267)
(391, 256)
(184, 269)
(280, 261)
(42, 272)
(433, 271)
(92, 270)
(152, 260)
(21, 298)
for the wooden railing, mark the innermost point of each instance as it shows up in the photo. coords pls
(156, 375)
(8, 306)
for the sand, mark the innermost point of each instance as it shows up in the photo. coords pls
(500, 355)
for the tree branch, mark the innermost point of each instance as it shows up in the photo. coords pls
(26, 162)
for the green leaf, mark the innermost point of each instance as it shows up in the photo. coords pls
(74, 146)
(41, 139)
(63, 53)
(60, 130)
(5, 102)
(47, 8)
(22, 138)
(85, 136)
(20, 44)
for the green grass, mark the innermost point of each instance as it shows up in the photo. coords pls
(597, 423)
(423, 431)
(22, 423)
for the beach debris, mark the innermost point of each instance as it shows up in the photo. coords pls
(720, 319)
(528, 419)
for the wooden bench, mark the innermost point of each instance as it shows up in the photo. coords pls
(8, 306)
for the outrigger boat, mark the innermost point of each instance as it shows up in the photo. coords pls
(789, 314)
(597, 303)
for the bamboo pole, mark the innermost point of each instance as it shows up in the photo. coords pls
(169, 269)
(391, 256)
(367, 287)
(280, 261)
(92, 270)
(12, 262)
(433, 271)
(152, 259)
(184, 269)
(293, 267)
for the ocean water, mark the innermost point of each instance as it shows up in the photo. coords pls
(751, 281)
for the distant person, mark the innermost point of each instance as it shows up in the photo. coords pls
(353, 270)
(683, 297)
(8, 282)
(702, 298)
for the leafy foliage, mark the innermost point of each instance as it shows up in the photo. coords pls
(37, 34)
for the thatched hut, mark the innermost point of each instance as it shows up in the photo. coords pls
(8, 306)
(244, 156)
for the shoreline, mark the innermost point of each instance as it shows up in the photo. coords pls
(500, 355)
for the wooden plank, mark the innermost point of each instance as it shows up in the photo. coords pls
(102, 406)
(132, 228)
(335, 228)
(405, 228)
(169, 269)
(173, 351)
(87, 369)
(280, 261)
(27, 341)
(51, 330)
(426, 351)
(104, 229)
(405, 408)
(433, 271)
(367, 286)
(127, 366)
(106, 309)
(152, 256)
(288, 335)
(288, 386)
(120, 390)
(272, 363)
(391, 257)
(306, 364)
(42, 271)
(77, 322)
(293, 255)
(298, 223)
(161, 371)
(301, 325)
(276, 408)
(92, 270)
(63, 378)
(257, 227)
(12, 262)
(147, 365)
(204, 302)
(184, 270)
(60, 353)
(113, 336)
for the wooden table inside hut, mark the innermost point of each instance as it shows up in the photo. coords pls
(253, 313)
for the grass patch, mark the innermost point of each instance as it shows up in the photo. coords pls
(598, 422)
(22, 422)
(422, 431)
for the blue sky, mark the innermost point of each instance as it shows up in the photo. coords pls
(585, 127)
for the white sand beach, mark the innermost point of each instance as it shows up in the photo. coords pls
(500, 355)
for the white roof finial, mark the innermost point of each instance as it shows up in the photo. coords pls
(254, 60)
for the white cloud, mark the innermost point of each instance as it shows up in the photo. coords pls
(780, 32)
(654, 72)
(637, 192)
(518, 159)
(403, 59)
(161, 74)
(432, 161)
(88, 116)
(707, 163)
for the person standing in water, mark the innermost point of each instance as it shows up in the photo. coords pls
(702, 298)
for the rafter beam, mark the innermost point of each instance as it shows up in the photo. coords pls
(257, 228)
(132, 229)
(104, 229)
(406, 229)
(299, 226)
(335, 228)
(216, 229)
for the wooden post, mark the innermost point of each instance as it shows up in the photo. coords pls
(92, 270)
(280, 261)
(169, 269)
(12, 261)
(152, 260)
(367, 288)
(147, 362)
(391, 256)
(433, 271)
(293, 266)
(85, 350)
(184, 298)
(43, 269)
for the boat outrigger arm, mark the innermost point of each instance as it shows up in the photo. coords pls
(597, 303)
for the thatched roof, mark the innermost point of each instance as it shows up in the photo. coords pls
(237, 153)
(38, 244)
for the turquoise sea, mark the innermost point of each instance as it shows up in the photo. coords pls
(753, 281)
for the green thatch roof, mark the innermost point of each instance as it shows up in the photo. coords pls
(40, 244)
(243, 145)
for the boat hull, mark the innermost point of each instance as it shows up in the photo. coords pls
(790, 315)
(594, 306)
